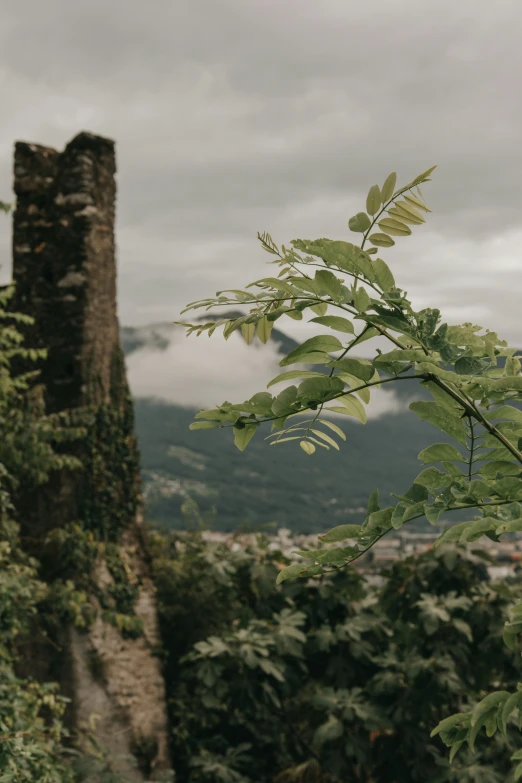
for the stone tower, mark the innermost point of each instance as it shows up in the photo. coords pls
(65, 274)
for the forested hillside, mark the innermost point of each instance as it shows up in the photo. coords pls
(267, 485)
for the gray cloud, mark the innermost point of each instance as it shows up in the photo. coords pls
(214, 371)
(234, 117)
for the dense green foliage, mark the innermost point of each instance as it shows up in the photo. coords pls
(332, 680)
(38, 596)
(474, 396)
(31, 731)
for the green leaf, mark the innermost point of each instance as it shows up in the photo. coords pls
(439, 452)
(305, 284)
(513, 526)
(408, 355)
(379, 519)
(368, 333)
(243, 436)
(394, 227)
(360, 368)
(273, 315)
(416, 202)
(433, 478)
(335, 322)
(508, 488)
(232, 325)
(383, 275)
(509, 639)
(373, 200)
(321, 343)
(373, 502)
(284, 440)
(361, 300)
(260, 403)
(473, 734)
(329, 731)
(203, 425)
(278, 285)
(444, 400)
(338, 409)
(320, 308)
(355, 383)
(416, 510)
(401, 216)
(308, 554)
(334, 428)
(218, 414)
(388, 188)
(513, 383)
(264, 328)
(313, 357)
(291, 571)
(477, 529)
(433, 513)
(505, 468)
(450, 723)
(328, 283)
(407, 208)
(248, 331)
(398, 515)
(329, 557)
(406, 213)
(507, 412)
(353, 406)
(307, 446)
(423, 177)
(455, 749)
(320, 388)
(381, 240)
(287, 376)
(283, 404)
(340, 533)
(441, 418)
(359, 223)
(509, 705)
(452, 534)
(489, 702)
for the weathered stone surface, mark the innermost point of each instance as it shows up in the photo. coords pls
(129, 693)
(65, 274)
(64, 230)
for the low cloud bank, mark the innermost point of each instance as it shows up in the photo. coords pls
(203, 372)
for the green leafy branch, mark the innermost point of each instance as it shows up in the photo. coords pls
(472, 376)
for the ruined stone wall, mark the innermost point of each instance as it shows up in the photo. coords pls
(65, 274)
(63, 263)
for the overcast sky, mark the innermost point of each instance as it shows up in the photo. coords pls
(233, 116)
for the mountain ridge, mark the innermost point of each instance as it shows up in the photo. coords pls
(266, 484)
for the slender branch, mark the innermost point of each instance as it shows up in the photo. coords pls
(469, 407)
(472, 446)
(464, 506)
(340, 394)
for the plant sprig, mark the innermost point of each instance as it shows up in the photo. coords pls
(473, 377)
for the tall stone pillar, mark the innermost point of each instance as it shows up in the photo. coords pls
(65, 274)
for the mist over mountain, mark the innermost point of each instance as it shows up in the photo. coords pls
(172, 376)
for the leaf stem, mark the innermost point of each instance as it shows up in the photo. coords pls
(472, 446)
